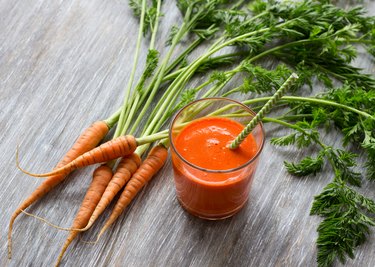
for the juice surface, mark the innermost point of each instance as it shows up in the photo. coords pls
(204, 143)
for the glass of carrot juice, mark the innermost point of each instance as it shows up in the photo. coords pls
(213, 181)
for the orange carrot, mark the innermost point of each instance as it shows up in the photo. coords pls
(125, 170)
(89, 139)
(101, 177)
(118, 147)
(150, 166)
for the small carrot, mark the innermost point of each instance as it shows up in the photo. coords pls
(101, 177)
(89, 139)
(125, 170)
(150, 166)
(118, 147)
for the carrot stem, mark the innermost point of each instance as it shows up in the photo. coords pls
(180, 58)
(314, 100)
(130, 115)
(131, 78)
(156, 26)
(162, 68)
(152, 138)
(112, 120)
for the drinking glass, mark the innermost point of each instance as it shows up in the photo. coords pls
(209, 193)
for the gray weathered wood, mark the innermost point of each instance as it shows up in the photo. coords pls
(63, 65)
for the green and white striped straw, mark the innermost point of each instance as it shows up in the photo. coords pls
(265, 109)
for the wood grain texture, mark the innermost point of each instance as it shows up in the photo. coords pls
(63, 65)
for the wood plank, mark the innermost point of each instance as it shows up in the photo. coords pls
(64, 64)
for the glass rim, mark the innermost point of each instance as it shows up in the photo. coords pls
(259, 150)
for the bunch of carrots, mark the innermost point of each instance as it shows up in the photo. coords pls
(121, 165)
(131, 174)
(121, 162)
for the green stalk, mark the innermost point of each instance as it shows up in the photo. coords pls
(122, 117)
(152, 83)
(172, 94)
(134, 103)
(183, 77)
(155, 28)
(170, 107)
(156, 120)
(187, 51)
(151, 138)
(213, 91)
(213, 59)
(112, 120)
(234, 90)
(292, 110)
(166, 102)
(171, 67)
(210, 93)
(312, 100)
(178, 83)
(163, 66)
(129, 109)
(294, 117)
(174, 64)
(134, 107)
(334, 74)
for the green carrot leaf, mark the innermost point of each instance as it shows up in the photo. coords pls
(284, 140)
(306, 166)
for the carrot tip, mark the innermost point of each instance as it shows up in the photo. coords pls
(46, 221)
(89, 242)
(10, 242)
(23, 170)
(9, 250)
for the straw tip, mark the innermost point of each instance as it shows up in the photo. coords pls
(233, 145)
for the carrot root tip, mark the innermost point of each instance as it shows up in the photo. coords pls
(47, 222)
(89, 242)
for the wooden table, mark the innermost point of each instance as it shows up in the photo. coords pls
(63, 65)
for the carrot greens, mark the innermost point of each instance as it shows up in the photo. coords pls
(121, 120)
(318, 41)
